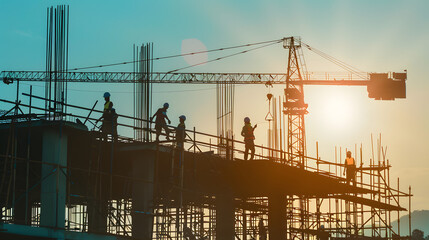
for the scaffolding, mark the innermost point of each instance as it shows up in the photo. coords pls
(181, 212)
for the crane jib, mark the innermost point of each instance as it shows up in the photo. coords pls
(380, 86)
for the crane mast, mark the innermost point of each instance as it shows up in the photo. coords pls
(295, 109)
(294, 106)
(380, 86)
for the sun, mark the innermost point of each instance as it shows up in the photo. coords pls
(339, 110)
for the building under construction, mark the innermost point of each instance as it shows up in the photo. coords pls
(61, 179)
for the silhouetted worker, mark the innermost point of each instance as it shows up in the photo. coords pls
(187, 234)
(349, 167)
(262, 230)
(109, 118)
(160, 123)
(249, 138)
(180, 132)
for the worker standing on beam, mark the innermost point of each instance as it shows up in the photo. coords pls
(349, 168)
(160, 123)
(180, 132)
(249, 138)
(109, 118)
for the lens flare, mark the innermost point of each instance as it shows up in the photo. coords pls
(194, 45)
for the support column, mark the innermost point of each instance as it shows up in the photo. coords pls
(225, 217)
(244, 225)
(277, 216)
(53, 186)
(143, 194)
(97, 216)
(19, 213)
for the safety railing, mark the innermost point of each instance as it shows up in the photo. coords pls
(231, 149)
(198, 142)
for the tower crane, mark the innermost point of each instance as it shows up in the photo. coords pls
(380, 86)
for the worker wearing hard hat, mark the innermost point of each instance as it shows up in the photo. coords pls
(349, 167)
(109, 118)
(249, 138)
(161, 115)
(180, 132)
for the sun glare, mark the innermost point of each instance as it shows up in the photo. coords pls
(338, 111)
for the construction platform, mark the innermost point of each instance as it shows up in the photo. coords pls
(64, 180)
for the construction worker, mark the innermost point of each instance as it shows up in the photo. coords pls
(187, 233)
(349, 167)
(249, 138)
(109, 118)
(180, 132)
(161, 115)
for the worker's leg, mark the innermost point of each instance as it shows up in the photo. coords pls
(354, 176)
(167, 131)
(180, 144)
(246, 151)
(252, 149)
(158, 132)
(349, 175)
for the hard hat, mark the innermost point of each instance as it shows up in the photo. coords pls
(106, 94)
(349, 154)
(247, 120)
(183, 117)
(166, 105)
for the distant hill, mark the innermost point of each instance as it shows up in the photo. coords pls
(419, 220)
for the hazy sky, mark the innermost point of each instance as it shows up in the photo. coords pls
(375, 36)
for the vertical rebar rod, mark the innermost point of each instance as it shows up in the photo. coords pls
(27, 175)
(399, 219)
(409, 211)
(134, 90)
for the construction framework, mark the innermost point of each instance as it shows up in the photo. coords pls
(72, 183)
(180, 210)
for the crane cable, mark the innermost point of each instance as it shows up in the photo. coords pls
(338, 62)
(173, 56)
(226, 56)
(332, 59)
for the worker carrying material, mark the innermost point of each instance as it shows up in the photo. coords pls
(109, 118)
(180, 132)
(349, 168)
(160, 123)
(249, 138)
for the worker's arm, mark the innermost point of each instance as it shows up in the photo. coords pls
(169, 122)
(154, 116)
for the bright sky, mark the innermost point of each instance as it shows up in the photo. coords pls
(375, 36)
